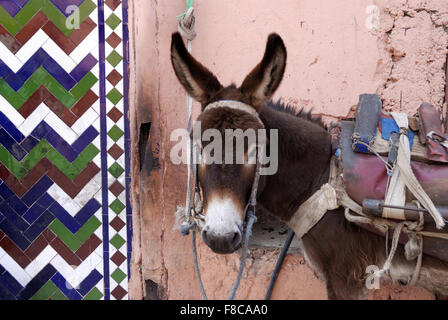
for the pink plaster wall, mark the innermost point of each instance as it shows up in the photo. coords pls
(332, 58)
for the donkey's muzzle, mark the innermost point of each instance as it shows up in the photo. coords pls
(222, 243)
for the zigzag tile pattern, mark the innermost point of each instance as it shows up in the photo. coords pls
(53, 212)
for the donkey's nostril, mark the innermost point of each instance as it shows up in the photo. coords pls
(236, 239)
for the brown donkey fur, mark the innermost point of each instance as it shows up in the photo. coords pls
(338, 251)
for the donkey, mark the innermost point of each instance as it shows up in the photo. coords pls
(336, 250)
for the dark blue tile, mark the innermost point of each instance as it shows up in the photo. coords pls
(37, 282)
(33, 213)
(65, 287)
(14, 234)
(41, 130)
(5, 294)
(4, 70)
(5, 192)
(62, 215)
(85, 139)
(16, 81)
(13, 217)
(83, 67)
(89, 282)
(10, 283)
(11, 145)
(39, 225)
(10, 128)
(10, 6)
(29, 143)
(59, 74)
(45, 201)
(61, 145)
(12, 200)
(87, 211)
(37, 190)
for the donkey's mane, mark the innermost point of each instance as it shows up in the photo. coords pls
(301, 113)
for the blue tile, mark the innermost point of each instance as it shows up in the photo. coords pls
(11, 145)
(37, 190)
(87, 211)
(65, 287)
(29, 143)
(39, 225)
(61, 145)
(10, 283)
(45, 201)
(33, 213)
(4, 70)
(83, 67)
(37, 282)
(62, 215)
(14, 234)
(13, 217)
(41, 130)
(59, 74)
(10, 128)
(5, 192)
(12, 200)
(89, 282)
(5, 294)
(85, 139)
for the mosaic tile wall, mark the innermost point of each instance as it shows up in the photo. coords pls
(65, 218)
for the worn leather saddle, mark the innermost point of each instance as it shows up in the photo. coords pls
(365, 175)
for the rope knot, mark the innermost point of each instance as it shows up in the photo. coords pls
(186, 25)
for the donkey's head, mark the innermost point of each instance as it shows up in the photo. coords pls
(226, 187)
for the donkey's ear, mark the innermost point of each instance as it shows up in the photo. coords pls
(265, 78)
(199, 83)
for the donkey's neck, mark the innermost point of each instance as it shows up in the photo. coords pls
(304, 153)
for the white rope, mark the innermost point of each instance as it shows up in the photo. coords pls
(404, 165)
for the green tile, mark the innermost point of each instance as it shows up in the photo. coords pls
(14, 98)
(65, 235)
(58, 295)
(85, 157)
(88, 228)
(116, 170)
(114, 96)
(118, 275)
(115, 133)
(117, 241)
(8, 22)
(11, 163)
(45, 292)
(57, 17)
(117, 206)
(62, 164)
(114, 58)
(94, 294)
(113, 21)
(83, 86)
(36, 154)
(29, 10)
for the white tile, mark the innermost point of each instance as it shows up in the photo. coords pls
(34, 119)
(59, 195)
(59, 56)
(9, 58)
(10, 112)
(14, 269)
(61, 128)
(40, 261)
(87, 45)
(31, 46)
(85, 121)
